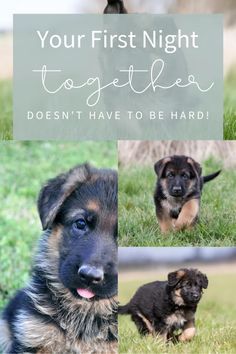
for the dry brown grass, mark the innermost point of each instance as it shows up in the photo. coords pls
(144, 153)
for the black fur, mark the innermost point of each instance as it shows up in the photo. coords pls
(156, 308)
(115, 7)
(78, 211)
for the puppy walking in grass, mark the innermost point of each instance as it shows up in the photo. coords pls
(178, 192)
(164, 307)
(69, 305)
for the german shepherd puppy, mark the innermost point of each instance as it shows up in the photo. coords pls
(70, 303)
(178, 192)
(163, 307)
(115, 7)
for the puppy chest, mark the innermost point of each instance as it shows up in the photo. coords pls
(172, 207)
(175, 320)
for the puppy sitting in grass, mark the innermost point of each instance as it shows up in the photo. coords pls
(178, 192)
(164, 307)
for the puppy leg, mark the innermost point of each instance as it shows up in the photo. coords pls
(188, 331)
(147, 323)
(143, 324)
(165, 224)
(164, 336)
(188, 215)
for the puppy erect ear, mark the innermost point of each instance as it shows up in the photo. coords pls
(160, 166)
(204, 280)
(175, 277)
(56, 190)
(196, 167)
(115, 7)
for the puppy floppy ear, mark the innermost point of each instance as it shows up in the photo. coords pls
(115, 7)
(57, 190)
(175, 277)
(160, 166)
(203, 280)
(196, 167)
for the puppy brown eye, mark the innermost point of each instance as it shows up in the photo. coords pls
(80, 224)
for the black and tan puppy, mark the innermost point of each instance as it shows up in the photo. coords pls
(70, 303)
(163, 307)
(178, 192)
(115, 7)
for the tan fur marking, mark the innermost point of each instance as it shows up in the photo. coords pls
(54, 241)
(180, 274)
(97, 348)
(33, 332)
(189, 331)
(5, 336)
(147, 323)
(187, 215)
(165, 224)
(166, 160)
(86, 348)
(74, 213)
(93, 205)
(108, 221)
(177, 298)
(189, 160)
(76, 176)
(175, 319)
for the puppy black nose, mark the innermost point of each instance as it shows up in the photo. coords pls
(196, 296)
(177, 189)
(91, 274)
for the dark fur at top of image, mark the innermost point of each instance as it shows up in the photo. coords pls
(163, 307)
(115, 7)
(178, 192)
(70, 303)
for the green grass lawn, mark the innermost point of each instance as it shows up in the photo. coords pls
(229, 109)
(6, 110)
(138, 224)
(215, 321)
(24, 167)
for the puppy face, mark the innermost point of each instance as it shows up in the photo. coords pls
(177, 175)
(87, 218)
(187, 285)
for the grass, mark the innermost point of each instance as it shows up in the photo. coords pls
(137, 221)
(229, 109)
(6, 110)
(24, 167)
(215, 321)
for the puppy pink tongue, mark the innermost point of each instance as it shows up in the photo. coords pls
(85, 293)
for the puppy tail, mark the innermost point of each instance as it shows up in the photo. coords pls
(210, 177)
(123, 310)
